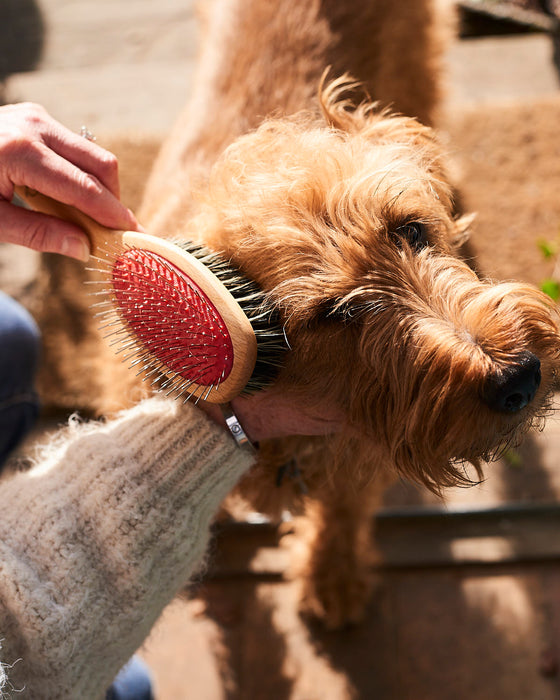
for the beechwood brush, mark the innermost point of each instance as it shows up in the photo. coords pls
(192, 323)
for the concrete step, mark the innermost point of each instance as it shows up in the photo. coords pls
(108, 98)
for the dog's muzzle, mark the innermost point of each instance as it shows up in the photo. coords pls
(513, 388)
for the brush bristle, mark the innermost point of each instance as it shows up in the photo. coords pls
(271, 339)
(173, 332)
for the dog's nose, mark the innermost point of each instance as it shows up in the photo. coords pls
(515, 387)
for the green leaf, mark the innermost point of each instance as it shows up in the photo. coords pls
(513, 458)
(552, 288)
(548, 248)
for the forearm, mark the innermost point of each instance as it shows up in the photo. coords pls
(117, 521)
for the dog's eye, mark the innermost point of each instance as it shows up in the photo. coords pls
(414, 234)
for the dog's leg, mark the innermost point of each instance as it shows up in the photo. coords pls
(335, 563)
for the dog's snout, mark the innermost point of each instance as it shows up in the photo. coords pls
(514, 388)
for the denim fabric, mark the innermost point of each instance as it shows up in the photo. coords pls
(132, 683)
(19, 354)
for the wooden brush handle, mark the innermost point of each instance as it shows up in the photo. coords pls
(100, 236)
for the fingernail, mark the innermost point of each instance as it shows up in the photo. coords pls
(75, 247)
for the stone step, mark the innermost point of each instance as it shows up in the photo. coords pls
(108, 98)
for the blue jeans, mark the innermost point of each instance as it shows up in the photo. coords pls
(19, 354)
(132, 683)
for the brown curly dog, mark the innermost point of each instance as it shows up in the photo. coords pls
(343, 214)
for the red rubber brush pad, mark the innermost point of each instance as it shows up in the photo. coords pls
(172, 317)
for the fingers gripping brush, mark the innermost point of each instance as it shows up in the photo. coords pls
(192, 323)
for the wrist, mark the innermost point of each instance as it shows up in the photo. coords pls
(236, 429)
(234, 418)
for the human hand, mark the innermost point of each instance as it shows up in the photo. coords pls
(38, 152)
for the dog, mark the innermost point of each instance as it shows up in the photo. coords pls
(339, 206)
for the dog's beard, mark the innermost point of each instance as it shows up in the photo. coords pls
(430, 343)
(409, 355)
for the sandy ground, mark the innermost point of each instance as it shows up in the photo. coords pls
(124, 69)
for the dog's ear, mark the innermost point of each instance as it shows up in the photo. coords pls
(463, 229)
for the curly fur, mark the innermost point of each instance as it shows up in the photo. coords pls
(310, 198)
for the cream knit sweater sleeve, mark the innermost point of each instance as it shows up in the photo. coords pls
(99, 536)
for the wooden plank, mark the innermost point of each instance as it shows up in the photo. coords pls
(435, 537)
(411, 537)
(511, 12)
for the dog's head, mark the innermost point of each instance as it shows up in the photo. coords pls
(348, 226)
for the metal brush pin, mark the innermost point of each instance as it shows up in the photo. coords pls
(183, 317)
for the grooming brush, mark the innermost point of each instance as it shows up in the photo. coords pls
(188, 320)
